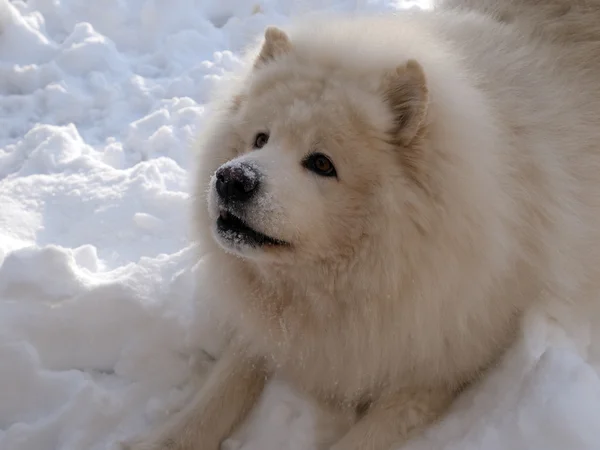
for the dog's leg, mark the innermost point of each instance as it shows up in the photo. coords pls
(230, 391)
(395, 418)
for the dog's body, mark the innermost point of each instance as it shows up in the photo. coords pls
(390, 195)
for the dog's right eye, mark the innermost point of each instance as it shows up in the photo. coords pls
(320, 164)
(260, 140)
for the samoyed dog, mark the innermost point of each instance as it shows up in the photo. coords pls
(383, 198)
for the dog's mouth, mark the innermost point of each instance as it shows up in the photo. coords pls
(237, 232)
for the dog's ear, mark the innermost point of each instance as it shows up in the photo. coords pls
(405, 90)
(276, 44)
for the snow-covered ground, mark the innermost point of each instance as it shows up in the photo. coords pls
(99, 288)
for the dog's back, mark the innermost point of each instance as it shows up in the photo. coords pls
(554, 47)
(574, 24)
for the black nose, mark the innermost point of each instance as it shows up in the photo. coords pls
(237, 183)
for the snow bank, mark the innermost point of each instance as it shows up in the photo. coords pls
(98, 102)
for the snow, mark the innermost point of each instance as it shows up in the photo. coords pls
(102, 325)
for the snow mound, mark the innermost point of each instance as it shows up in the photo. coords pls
(102, 329)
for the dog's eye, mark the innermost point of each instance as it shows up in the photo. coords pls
(260, 140)
(320, 164)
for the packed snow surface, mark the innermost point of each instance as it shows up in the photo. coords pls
(99, 287)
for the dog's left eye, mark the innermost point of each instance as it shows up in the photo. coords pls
(260, 140)
(320, 164)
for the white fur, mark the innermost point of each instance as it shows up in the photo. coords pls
(408, 275)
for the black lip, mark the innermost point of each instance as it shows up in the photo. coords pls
(235, 229)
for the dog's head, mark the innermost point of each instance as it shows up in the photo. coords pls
(357, 181)
(310, 157)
